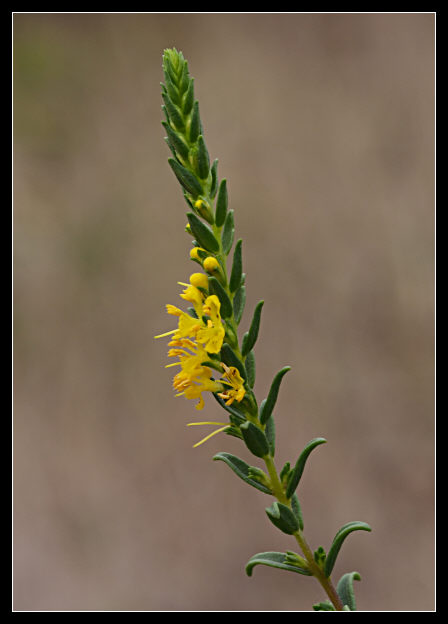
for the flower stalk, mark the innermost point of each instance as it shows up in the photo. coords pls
(212, 358)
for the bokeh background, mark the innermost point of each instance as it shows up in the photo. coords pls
(324, 128)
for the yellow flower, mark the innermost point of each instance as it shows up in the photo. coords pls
(212, 335)
(236, 391)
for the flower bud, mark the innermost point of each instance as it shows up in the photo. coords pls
(199, 280)
(210, 264)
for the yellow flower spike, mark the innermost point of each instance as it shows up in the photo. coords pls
(210, 264)
(199, 280)
(210, 435)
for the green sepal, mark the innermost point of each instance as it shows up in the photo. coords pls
(228, 233)
(270, 433)
(283, 518)
(296, 507)
(174, 115)
(186, 178)
(237, 268)
(338, 541)
(250, 368)
(214, 182)
(195, 123)
(252, 336)
(268, 405)
(255, 439)
(345, 589)
(297, 471)
(175, 141)
(230, 358)
(221, 203)
(203, 159)
(192, 312)
(202, 233)
(274, 560)
(325, 605)
(239, 301)
(230, 409)
(241, 469)
(215, 288)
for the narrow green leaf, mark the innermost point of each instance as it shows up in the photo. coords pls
(237, 268)
(241, 469)
(221, 203)
(296, 507)
(171, 89)
(214, 183)
(215, 288)
(274, 560)
(188, 98)
(255, 439)
(238, 416)
(202, 233)
(269, 404)
(283, 518)
(228, 233)
(195, 124)
(338, 541)
(270, 432)
(250, 368)
(203, 159)
(187, 179)
(176, 141)
(239, 301)
(345, 589)
(297, 471)
(230, 358)
(173, 113)
(253, 330)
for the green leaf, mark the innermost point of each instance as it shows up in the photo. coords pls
(283, 518)
(338, 541)
(203, 159)
(297, 471)
(228, 233)
(202, 233)
(188, 98)
(221, 203)
(186, 178)
(214, 183)
(270, 433)
(269, 404)
(230, 358)
(237, 268)
(250, 368)
(241, 469)
(215, 288)
(173, 113)
(274, 560)
(325, 605)
(345, 589)
(296, 508)
(239, 301)
(255, 439)
(176, 142)
(233, 411)
(252, 336)
(195, 124)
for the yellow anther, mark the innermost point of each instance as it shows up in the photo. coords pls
(210, 264)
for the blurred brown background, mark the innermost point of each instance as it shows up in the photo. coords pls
(324, 128)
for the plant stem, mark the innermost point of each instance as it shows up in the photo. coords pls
(278, 491)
